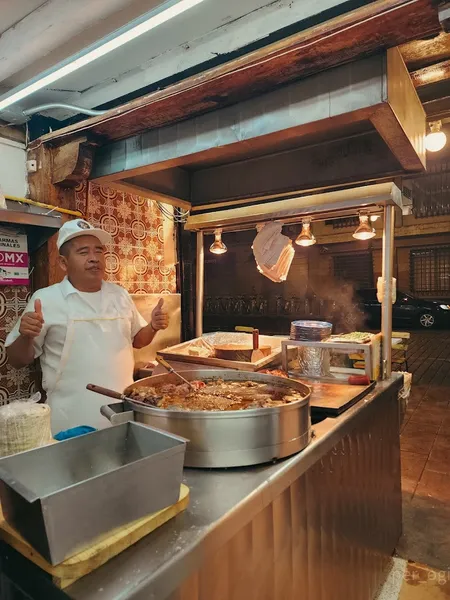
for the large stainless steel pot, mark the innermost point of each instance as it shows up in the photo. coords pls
(231, 438)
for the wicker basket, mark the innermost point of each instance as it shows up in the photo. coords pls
(24, 426)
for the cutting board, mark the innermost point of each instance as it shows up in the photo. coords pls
(332, 399)
(101, 551)
(180, 354)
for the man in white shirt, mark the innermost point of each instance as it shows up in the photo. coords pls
(83, 330)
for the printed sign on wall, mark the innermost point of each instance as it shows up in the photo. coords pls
(14, 260)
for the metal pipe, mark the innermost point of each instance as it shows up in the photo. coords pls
(66, 211)
(90, 112)
(199, 285)
(386, 306)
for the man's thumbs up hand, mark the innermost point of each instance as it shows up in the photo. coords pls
(38, 308)
(31, 323)
(160, 317)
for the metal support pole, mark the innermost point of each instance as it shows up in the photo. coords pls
(386, 306)
(199, 285)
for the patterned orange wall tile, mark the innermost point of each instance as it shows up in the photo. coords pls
(135, 260)
(14, 384)
(135, 256)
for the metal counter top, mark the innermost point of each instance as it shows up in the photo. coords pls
(221, 502)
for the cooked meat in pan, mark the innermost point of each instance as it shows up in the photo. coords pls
(216, 395)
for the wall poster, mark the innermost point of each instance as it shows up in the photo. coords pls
(14, 259)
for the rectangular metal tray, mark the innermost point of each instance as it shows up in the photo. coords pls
(63, 496)
(332, 399)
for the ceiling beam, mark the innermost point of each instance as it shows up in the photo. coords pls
(401, 120)
(380, 24)
(224, 29)
(72, 162)
(438, 108)
(431, 74)
(421, 53)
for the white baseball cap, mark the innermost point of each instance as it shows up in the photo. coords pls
(79, 227)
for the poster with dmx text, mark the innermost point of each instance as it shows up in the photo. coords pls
(14, 259)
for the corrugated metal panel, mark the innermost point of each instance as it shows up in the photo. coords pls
(326, 537)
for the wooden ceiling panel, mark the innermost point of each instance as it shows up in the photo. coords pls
(429, 64)
(431, 74)
(380, 24)
(423, 53)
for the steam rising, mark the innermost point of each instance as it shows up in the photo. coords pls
(334, 301)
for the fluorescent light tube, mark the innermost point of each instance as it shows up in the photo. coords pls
(121, 36)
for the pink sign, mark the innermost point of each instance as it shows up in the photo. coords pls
(14, 259)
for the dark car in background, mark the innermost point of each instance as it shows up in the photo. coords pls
(407, 310)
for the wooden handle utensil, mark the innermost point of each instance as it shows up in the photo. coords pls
(255, 333)
(105, 392)
(257, 353)
(170, 369)
(113, 394)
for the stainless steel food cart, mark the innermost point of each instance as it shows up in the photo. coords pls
(320, 525)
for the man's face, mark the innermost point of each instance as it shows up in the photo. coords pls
(84, 261)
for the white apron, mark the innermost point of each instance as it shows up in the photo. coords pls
(97, 350)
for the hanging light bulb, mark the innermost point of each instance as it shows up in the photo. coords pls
(364, 230)
(436, 139)
(306, 238)
(374, 218)
(218, 247)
